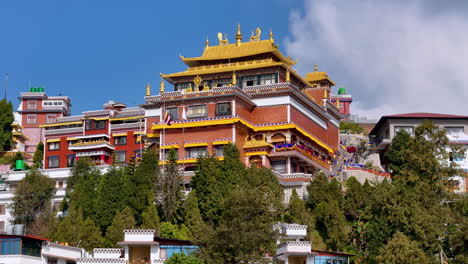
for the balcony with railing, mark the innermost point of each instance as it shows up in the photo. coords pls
(59, 131)
(301, 149)
(294, 247)
(126, 125)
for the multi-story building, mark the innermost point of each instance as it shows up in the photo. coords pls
(95, 134)
(343, 101)
(456, 127)
(248, 94)
(36, 109)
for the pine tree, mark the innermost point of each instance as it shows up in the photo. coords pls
(331, 224)
(210, 191)
(81, 187)
(32, 197)
(151, 219)
(169, 230)
(77, 231)
(6, 119)
(401, 250)
(109, 197)
(122, 220)
(170, 187)
(143, 183)
(321, 189)
(297, 211)
(38, 155)
(193, 219)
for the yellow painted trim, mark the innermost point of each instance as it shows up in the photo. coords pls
(70, 139)
(53, 140)
(119, 134)
(139, 133)
(169, 146)
(242, 121)
(152, 135)
(99, 118)
(62, 124)
(198, 144)
(126, 118)
(180, 161)
(222, 142)
(256, 153)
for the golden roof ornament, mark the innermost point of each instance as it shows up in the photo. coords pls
(221, 40)
(207, 42)
(148, 89)
(234, 79)
(238, 35)
(197, 81)
(256, 37)
(315, 68)
(288, 76)
(271, 36)
(161, 85)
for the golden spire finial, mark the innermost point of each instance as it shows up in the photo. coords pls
(271, 36)
(148, 89)
(288, 76)
(238, 35)
(161, 84)
(234, 79)
(316, 68)
(207, 42)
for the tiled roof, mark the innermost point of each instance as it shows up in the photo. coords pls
(425, 115)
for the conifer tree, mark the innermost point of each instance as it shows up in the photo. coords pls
(38, 155)
(401, 250)
(32, 197)
(181, 258)
(151, 219)
(6, 119)
(143, 183)
(82, 186)
(193, 219)
(122, 220)
(110, 197)
(170, 187)
(77, 231)
(321, 189)
(297, 211)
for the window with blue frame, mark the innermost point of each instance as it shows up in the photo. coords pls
(331, 260)
(168, 250)
(10, 246)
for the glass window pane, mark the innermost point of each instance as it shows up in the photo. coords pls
(197, 111)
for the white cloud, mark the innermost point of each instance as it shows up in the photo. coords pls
(392, 56)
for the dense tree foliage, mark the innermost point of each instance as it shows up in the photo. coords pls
(180, 258)
(6, 119)
(32, 197)
(170, 187)
(115, 232)
(350, 127)
(401, 250)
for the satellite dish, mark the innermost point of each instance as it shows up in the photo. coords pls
(220, 36)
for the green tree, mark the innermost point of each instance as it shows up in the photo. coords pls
(208, 186)
(78, 231)
(151, 218)
(245, 233)
(32, 197)
(6, 119)
(81, 187)
(394, 154)
(115, 232)
(401, 250)
(38, 155)
(181, 258)
(355, 199)
(169, 230)
(143, 183)
(297, 211)
(170, 187)
(350, 127)
(323, 190)
(331, 224)
(110, 197)
(193, 219)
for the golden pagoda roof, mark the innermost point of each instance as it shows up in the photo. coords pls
(313, 77)
(244, 49)
(224, 67)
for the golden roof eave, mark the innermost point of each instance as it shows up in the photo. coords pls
(212, 70)
(232, 51)
(315, 77)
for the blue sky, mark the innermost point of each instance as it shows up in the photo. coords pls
(393, 56)
(95, 51)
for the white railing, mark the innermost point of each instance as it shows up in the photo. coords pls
(128, 125)
(293, 230)
(63, 131)
(294, 247)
